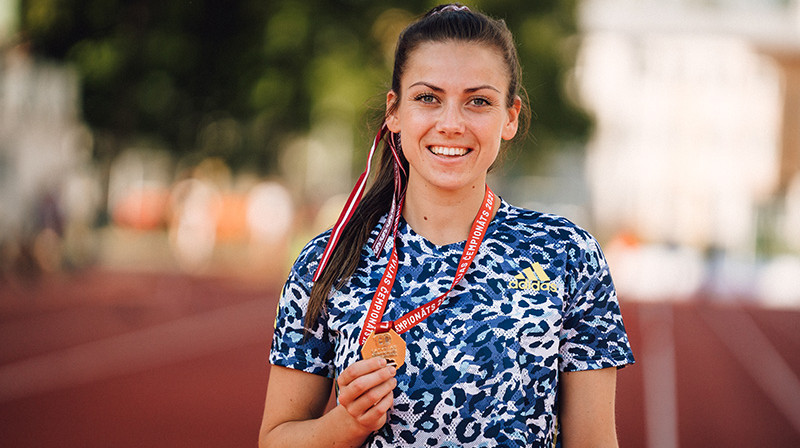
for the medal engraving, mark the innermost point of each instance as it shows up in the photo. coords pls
(388, 345)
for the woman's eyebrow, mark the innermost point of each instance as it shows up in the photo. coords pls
(468, 90)
(428, 85)
(485, 86)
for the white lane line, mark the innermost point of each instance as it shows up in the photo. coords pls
(163, 344)
(658, 372)
(760, 359)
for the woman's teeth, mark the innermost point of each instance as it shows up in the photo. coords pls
(448, 151)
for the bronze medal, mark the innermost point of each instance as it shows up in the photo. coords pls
(388, 345)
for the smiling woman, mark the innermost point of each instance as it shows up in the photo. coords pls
(451, 118)
(443, 315)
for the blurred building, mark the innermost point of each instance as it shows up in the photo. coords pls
(40, 131)
(697, 141)
(45, 157)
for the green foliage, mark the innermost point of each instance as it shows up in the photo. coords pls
(236, 79)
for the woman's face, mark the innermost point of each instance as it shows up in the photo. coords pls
(452, 114)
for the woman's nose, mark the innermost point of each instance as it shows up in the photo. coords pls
(451, 119)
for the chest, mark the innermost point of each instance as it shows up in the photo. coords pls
(507, 305)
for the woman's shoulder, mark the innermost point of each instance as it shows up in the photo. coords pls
(556, 233)
(307, 260)
(557, 226)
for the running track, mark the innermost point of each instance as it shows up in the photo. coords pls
(120, 359)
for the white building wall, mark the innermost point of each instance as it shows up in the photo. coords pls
(687, 127)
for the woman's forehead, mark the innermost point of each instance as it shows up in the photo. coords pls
(455, 62)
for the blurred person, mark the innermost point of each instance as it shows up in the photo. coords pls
(48, 229)
(443, 315)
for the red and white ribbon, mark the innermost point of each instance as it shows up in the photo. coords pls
(355, 198)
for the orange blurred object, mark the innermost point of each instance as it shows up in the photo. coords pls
(141, 209)
(232, 218)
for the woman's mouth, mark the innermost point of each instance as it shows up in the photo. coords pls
(449, 151)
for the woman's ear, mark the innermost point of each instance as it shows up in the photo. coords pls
(392, 122)
(511, 126)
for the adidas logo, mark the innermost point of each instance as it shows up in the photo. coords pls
(532, 277)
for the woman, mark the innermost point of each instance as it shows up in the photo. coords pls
(444, 315)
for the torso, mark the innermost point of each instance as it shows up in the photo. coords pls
(483, 369)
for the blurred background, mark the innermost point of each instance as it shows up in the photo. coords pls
(162, 163)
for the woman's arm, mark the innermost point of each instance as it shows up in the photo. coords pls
(293, 412)
(587, 408)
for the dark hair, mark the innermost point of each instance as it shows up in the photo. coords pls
(452, 22)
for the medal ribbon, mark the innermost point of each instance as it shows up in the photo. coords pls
(355, 197)
(381, 297)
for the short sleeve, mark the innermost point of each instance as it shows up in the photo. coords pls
(593, 335)
(292, 346)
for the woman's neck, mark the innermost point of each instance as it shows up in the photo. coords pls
(443, 217)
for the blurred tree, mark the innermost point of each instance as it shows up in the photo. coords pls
(236, 79)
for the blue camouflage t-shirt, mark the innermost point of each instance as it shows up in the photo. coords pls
(483, 370)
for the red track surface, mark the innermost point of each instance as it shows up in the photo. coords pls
(104, 359)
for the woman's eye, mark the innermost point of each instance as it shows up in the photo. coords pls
(426, 98)
(480, 102)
